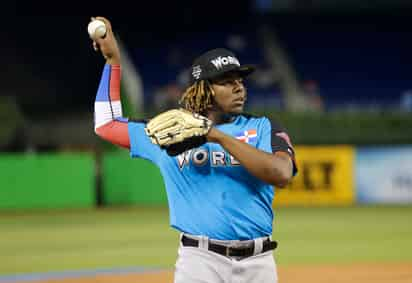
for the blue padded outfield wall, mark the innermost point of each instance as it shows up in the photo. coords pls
(384, 174)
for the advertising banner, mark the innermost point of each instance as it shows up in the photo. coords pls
(325, 177)
(384, 175)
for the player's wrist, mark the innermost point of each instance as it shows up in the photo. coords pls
(213, 135)
(114, 60)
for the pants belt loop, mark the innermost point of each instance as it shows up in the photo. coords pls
(180, 239)
(204, 242)
(258, 246)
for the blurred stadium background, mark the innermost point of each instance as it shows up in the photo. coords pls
(335, 73)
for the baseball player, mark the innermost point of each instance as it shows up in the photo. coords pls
(220, 166)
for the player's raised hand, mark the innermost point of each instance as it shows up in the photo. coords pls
(107, 44)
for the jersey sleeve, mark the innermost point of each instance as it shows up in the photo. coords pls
(140, 144)
(275, 138)
(109, 123)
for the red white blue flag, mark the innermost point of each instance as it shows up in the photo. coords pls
(247, 136)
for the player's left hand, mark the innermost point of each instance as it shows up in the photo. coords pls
(178, 130)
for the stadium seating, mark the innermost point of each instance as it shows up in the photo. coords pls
(356, 64)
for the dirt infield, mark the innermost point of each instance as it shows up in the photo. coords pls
(359, 273)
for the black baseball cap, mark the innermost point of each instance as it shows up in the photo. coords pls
(216, 62)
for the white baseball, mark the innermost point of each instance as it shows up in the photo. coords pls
(96, 29)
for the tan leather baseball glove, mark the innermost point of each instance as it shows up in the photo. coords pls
(178, 130)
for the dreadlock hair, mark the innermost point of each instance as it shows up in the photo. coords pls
(198, 97)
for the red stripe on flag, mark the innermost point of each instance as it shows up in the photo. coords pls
(252, 132)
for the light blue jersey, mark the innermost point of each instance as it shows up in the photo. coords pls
(209, 192)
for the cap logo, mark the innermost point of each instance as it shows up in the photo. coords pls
(220, 61)
(196, 72)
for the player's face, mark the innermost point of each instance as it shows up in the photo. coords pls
(230, 93)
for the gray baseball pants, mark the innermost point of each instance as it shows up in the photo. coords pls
(199, 265)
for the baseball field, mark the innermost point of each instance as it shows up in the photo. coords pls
(136, 244)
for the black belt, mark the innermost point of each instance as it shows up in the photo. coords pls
(231, 251)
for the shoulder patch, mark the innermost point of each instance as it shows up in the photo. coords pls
(284, 136)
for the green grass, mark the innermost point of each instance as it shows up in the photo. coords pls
(123, 237)
(344, 235)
